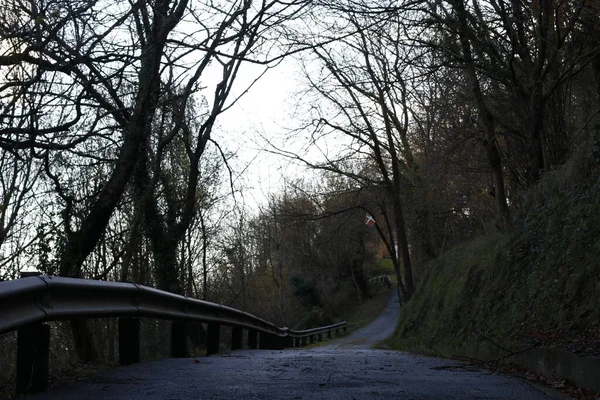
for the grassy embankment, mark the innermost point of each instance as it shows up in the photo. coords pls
(537, 284)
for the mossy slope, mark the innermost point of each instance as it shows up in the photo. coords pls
(541, 282)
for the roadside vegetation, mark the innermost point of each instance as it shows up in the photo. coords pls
(535, 285)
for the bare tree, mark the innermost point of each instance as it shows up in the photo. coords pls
(84, 83)
(362, 98)
(524, 57)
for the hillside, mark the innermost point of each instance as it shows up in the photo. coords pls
(538, 284)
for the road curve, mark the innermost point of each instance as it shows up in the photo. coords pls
(346, 370)
(380, 329)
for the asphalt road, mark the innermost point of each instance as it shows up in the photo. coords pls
(346, 369)
(380, 329)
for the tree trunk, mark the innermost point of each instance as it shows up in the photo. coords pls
(536, 134)
(500, 192)
(358, 277)
(166, 266)
(409, 283)
(136, 132)
(355, 282)
(204, 265)
(84, 345)
(400, 288)
(486, 119)
(596, 69)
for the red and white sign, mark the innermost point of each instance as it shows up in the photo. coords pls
(369, 220)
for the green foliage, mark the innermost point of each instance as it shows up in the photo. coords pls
(384, 266)
(306, 291)
(542, 277)
(43, 250)
(313, 319)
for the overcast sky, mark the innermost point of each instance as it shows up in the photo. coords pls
(266, 110)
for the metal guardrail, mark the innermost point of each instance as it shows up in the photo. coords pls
(383, 279)
(26, 303)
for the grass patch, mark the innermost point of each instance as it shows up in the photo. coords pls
(384, 266)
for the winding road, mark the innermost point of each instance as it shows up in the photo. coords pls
(345, 369)
(378, 330)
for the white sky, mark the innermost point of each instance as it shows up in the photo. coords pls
(266, 110)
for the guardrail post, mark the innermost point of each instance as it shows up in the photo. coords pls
(252, 339)
(213, 337)
(179, 339)
(270, 341)
(279, 342)
(328, 334)
(33, 350)
(236, 337)
(129, 341)
(320, 337)
(337, 331)
(311, 339)
(303, 341)
(263, 341)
